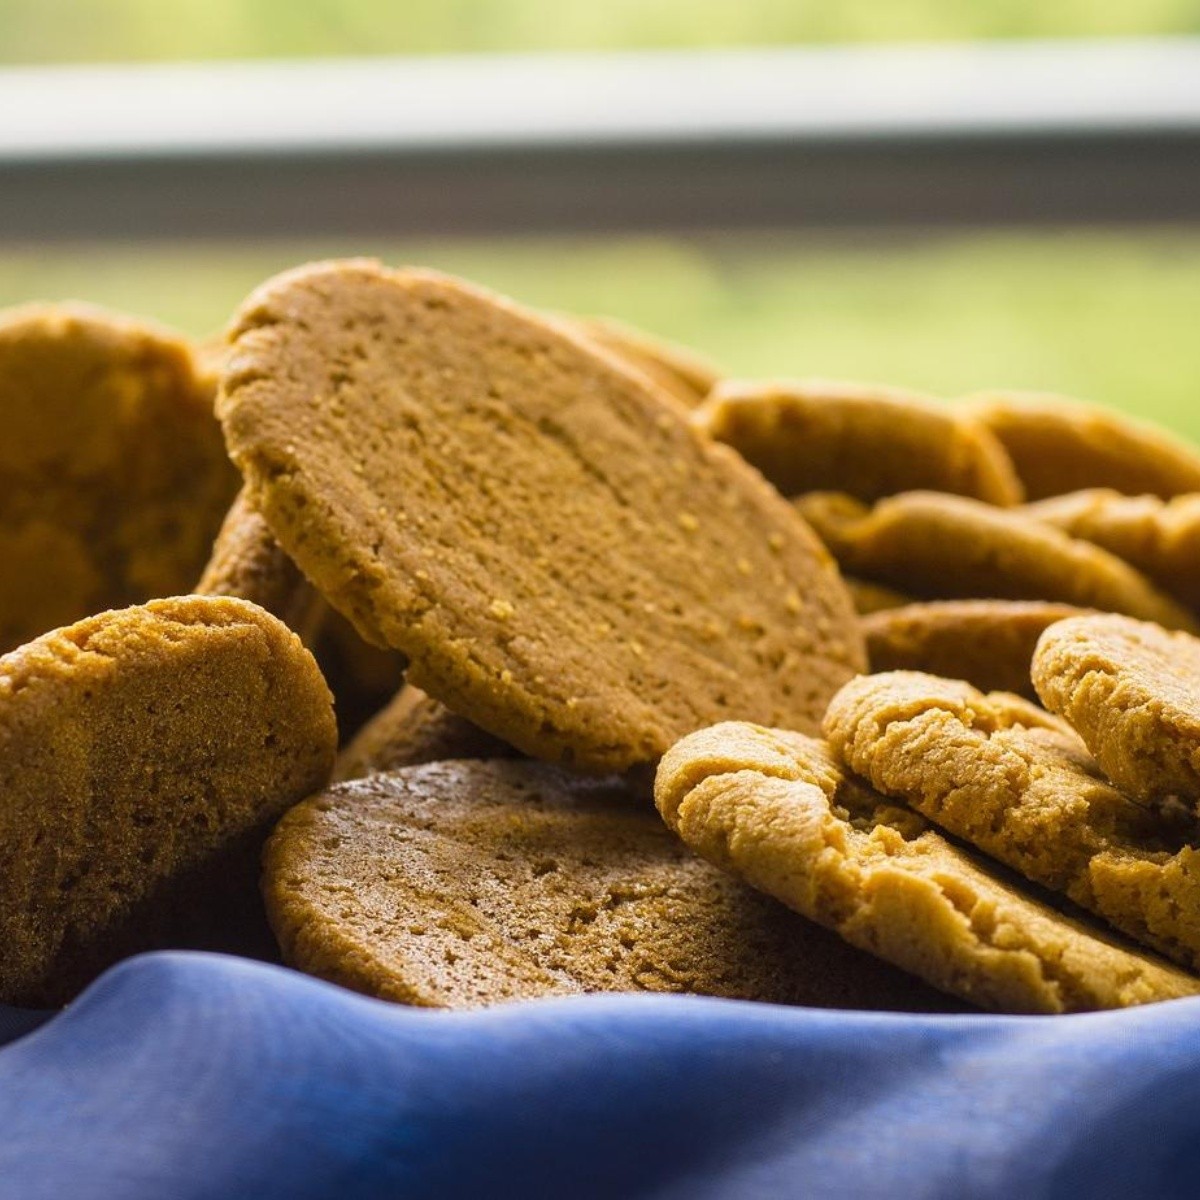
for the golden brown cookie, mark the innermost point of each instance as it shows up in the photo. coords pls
(873, 597)
(247, 562)
(466, 883)
(413, 729)
(143, 755)
(688, 376)
(564, 561)
(1161, 538)
(1059, 445)
(989, 643)
(778, 811)
(1023, 788)
(1132, 691)
(948, 547)
(113, 474)
(867, 441)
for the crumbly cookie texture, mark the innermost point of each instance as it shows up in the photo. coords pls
(1132, 691)
(1159, 537)
(936, 546)
(113, 474)
(460, 884)
(868, 441)
(144, 754)
(989, 643)
(1018, 784)
(1059, 445)
(413, 729)
(776, 809)
(564, 560)
(687, 375)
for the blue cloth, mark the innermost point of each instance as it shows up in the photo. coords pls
(189, 1075)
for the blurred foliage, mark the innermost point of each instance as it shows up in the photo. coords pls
(1105, 316)
(139, 30)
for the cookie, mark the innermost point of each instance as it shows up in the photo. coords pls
(869, 442)
(947, 547)
(1059, 445)
(461, 884)
(871, 597)
(144, 754)
(688, 376)
(564, 561)
(247, 562)
(775, 809)
(413, 729)
(989, 643)
(1021, 787)
(113, 473)
(1132, 691)
(1161, 538)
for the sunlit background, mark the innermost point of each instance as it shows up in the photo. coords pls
(1102, 314)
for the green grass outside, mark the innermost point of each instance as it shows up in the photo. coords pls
(1107, 316)
(147, 30)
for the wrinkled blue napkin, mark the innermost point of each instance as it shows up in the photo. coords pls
(191, 1075)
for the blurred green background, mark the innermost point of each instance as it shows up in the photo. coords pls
(1103, 314)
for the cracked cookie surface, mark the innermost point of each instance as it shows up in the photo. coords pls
(460, 884)
(776, 809)
(1132, 692)
(564, 560)
(1018, 783)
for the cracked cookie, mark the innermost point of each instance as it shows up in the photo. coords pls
(778, 811)
(1018, 784)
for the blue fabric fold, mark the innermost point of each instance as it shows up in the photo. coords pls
(189, 1075)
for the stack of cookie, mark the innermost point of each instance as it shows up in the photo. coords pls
(561, 574)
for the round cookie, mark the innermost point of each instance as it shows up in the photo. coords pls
(1059, 445)
(1018, 784)
(775, 809)
(113, 473)
(564, 561)
(143, 755)
(1132, 691)
(459, 884)
(989, 643)
(869, 442)
(413, 729)
(948, 547)
(688, 376)
(1161, 538)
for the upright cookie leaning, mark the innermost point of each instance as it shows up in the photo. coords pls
(129, 800)
(563, 559)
